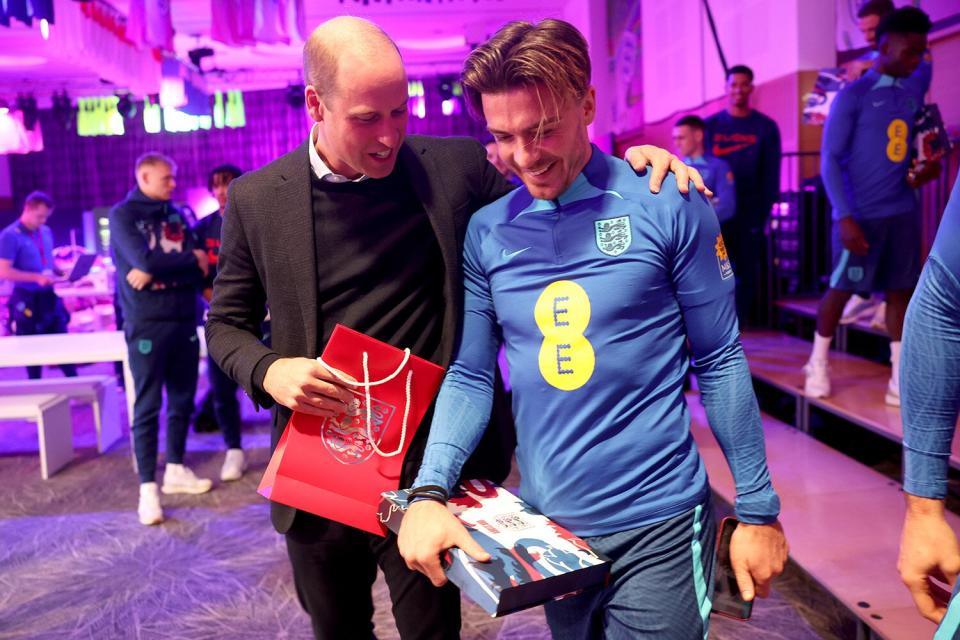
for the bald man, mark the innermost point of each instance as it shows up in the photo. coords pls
(361, 225)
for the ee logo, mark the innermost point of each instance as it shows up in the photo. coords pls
(897, 140)
(566, 357)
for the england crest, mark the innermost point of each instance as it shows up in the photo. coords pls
(613, 235)
(345, 436)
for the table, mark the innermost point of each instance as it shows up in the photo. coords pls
(70, 348)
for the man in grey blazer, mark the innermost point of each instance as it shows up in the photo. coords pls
(363, 226)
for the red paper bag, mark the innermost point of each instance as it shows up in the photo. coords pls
(338, 467)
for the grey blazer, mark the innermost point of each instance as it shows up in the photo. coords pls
(267, 254)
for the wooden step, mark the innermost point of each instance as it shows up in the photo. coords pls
(858, 385)
(842, 521)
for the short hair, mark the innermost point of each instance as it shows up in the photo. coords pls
(904, 20)
(692, 121)
(224, 169)
(551, 53)
(880, 8)
(151, 158)
(740, 68)
(35, 198)
(320, 61)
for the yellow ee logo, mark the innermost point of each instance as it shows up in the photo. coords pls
(566, 356)
(897, 140)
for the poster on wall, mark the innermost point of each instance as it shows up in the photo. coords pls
(624, 47)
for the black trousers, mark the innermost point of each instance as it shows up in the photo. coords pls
(334, 568)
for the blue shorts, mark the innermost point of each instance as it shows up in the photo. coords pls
(661, 584)
(891, 264)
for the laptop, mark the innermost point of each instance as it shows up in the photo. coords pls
(82, 266)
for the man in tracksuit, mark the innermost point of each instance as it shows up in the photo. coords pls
(159, 269)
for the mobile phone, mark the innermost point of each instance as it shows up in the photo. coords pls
(727, 600)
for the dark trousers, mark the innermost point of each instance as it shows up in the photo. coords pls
(225, 405)
(334, 568)
(162, 355)
(37, 313)
(747, 248)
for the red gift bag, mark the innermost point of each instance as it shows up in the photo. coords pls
(338, 467)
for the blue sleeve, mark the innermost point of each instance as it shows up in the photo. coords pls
(837, 134)
(466, 396)
(725, 193)
(8, 245)
(127, 241)
(705, 291)
(924, 75)
(771, 153)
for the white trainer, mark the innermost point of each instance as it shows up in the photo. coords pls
(858, 308)
(149, 509)
(234, 464)
(817, 384)
(892, 396)
(180, 479)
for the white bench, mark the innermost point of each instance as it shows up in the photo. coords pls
(51, 412)
(99, 391)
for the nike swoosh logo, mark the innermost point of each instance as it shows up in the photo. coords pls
(722, 151)
(510, 254)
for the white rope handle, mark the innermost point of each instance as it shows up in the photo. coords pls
(366, 384)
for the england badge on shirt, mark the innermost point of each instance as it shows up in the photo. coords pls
(613, 235)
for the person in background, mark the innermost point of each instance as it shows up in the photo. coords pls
(160, 269)
(865, 160)
(223, 390)
(495, 160)
(688, 135)
(749, 142)
(26, 259)
(930, 393)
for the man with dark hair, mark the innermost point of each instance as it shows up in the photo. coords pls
(869, 17)
(222, 394)
(750, 142)
(159, 269)
(361, 225)
(597, 287)
(688, 134)
(865, 162)
(26, 259)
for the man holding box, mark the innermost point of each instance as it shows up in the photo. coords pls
(595, 286)
(361, 226)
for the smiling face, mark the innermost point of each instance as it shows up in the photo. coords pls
(363, 121)
(739, 88)
(546, 145)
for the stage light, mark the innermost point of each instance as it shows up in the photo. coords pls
(63, 110)
(4, 108)
(44, 29)
(126, 106)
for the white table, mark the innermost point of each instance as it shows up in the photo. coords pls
(70, 348)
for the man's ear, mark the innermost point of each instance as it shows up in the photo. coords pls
(314, 103)
(590, 105)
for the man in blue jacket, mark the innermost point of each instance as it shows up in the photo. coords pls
(688, 135)
(160, 269)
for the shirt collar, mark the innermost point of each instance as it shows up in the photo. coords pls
(883, 80)
(320, 168)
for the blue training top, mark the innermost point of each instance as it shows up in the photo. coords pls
(595, 295)
(867, 141)
(946, 246)
(718, 176)
(27, 250)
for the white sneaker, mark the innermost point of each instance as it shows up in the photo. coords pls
(892, 396)
(234, 464)
(857, 308)
(879, 320)
(180, 479)
(817, 384)
(149, 509)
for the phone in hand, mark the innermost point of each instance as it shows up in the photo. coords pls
(727, 600)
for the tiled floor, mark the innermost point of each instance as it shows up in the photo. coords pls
(75, 563)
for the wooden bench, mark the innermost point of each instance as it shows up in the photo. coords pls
(51, 413)
(842, 521)
(99, 391)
